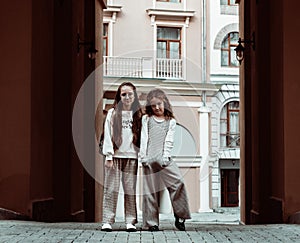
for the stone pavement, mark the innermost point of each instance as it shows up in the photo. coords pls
(220, 226)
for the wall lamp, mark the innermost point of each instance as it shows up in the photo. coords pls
(91, 47)
(239, 50)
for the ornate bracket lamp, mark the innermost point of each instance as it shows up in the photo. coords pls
(240, 48)
(91, 47)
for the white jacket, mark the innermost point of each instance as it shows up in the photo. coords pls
(126, 150)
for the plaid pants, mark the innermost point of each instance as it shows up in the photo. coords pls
(171, 178)
(126, 171)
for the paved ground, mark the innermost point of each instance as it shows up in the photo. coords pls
(204, 227)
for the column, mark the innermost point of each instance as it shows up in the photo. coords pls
(204, 153)
(165, 202)
(147, 67)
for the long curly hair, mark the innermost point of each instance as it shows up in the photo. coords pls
(158, 93)
(117, 118)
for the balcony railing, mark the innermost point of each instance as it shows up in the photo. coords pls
(230, 140)
(122, 67)
(169, 68)
(142, 67)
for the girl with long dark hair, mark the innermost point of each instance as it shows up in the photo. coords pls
(120, 147)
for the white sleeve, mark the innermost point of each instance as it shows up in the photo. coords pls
(169, 140)
(108, 148)
(144, 138)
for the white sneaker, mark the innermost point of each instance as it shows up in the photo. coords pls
(130, 228)
(106, 227)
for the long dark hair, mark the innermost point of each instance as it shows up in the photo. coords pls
(158, 93)
(117, 118)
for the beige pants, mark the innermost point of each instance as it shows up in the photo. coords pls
(126, 171)
(170, 176)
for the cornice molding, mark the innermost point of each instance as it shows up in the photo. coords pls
(112, 11)
(167, 12)
(170, 14)
(113, 8)
(169, 86)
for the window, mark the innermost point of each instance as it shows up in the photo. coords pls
(229, 125)
(184, 142)
(168, 43)
(168, 62)
(105, 39)
(228, 58)
(228, 2)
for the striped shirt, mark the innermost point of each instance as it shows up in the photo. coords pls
(158, 140)
(157, 131)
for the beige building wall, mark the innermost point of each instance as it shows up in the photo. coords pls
(133, 34)
(132, 28)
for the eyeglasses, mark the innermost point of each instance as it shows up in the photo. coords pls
(130, 94)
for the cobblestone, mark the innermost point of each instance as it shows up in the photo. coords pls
(202, 228)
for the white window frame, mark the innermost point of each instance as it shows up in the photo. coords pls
(219, 119)
(183, 27)
(109, 36)
(110, 17)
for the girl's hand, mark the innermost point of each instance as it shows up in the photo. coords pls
(109, 164)
(143, 161)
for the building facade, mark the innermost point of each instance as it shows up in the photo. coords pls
(224, 73)
(41, 177)
(185, 48)
(42, 70)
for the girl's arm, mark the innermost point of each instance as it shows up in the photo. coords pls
(108, 148)
(144, 139)
(169, 141)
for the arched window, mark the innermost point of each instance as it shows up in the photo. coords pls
(229, 125)
(228, 57)
(184, 143)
